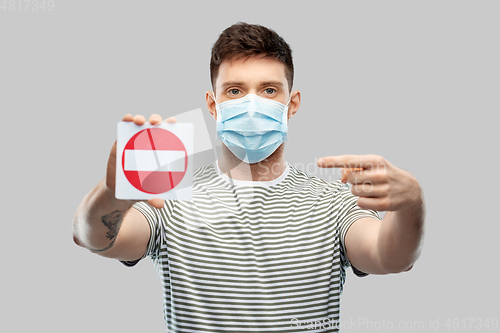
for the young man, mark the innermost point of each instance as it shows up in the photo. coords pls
(262, 246)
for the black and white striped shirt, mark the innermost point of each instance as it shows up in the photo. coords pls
(246, 256)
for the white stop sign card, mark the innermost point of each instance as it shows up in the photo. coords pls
(154, 161)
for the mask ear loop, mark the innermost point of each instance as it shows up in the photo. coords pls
(284, 121)
(218, 119)
(213, 97)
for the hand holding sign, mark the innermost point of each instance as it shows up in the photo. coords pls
(379, 184)
(154, 161)
(111, 175)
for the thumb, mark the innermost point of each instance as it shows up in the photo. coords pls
(156, 203)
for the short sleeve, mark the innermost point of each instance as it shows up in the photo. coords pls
(152, 215)
(349, 212)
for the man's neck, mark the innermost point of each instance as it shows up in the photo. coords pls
(265, 170)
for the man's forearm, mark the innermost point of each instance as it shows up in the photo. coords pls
(98, 219)
(400, 238)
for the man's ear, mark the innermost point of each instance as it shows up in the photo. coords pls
(210, 99)
(294, 104)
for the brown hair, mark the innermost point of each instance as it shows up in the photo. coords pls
(243, 40)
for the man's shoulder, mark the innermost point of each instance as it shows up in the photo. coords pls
(203, 170)
(298, 175)
(204, 174)
(298, 172)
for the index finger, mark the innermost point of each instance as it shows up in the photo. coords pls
(350, 161)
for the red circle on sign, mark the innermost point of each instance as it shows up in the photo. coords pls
(154, 140)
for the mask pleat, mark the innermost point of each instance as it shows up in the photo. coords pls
(252, 127)
(248, 125)
(252, 141)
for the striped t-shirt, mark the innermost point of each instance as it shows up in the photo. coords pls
(245, 256)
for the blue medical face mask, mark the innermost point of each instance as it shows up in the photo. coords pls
(252, 127)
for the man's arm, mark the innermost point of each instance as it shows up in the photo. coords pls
(393, 244)
(111, 227)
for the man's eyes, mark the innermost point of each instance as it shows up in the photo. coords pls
(267, 91)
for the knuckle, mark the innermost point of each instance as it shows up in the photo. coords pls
(385, 204)
(384, 190)
(380, 178)
(374, 159)
(377, 158)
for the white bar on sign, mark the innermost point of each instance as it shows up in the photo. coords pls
(145, 160)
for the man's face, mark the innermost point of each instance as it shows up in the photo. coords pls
(255, 75)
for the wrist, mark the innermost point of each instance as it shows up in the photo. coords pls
(108, 194)
(416, 201)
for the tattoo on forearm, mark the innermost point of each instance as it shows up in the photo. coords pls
(106, 248)
(113, 222)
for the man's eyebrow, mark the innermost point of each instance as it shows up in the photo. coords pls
(240, 84)
(232, 83)
(272, 83)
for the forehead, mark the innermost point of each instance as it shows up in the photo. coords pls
(251, 71)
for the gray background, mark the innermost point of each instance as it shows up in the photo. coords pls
(414, 81)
